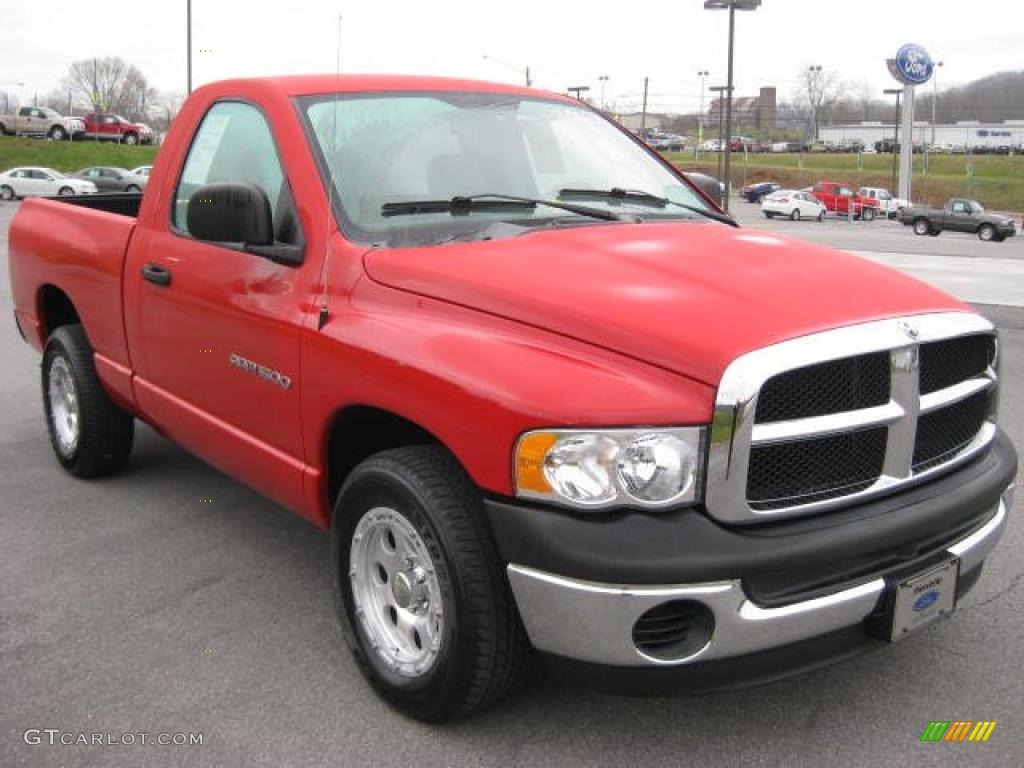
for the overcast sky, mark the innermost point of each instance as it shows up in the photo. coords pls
(564, 43)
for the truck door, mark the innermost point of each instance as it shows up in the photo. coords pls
(960, 218)
(216, 347)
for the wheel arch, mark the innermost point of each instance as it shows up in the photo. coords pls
(54, 308)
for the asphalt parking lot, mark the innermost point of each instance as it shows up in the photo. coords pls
(173, 599)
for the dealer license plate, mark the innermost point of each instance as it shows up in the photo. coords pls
(922, 599)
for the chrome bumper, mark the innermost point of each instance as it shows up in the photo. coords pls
(593, 622)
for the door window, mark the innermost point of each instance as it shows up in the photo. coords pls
(234, 144)
(959, 207)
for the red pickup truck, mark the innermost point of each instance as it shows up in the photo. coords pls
(545, 397)
(116, 128)
(839, 198)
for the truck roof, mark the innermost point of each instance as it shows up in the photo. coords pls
(308, 85)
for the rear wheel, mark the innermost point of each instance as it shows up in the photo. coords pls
(922, 227)
(90, 435)
(132, 188)
(6, 193)
(768, 214)
(868, 214)
(420, 588)
(986, 232)
(821, 215)
(57, 133)
(795, 215)
(65, 191)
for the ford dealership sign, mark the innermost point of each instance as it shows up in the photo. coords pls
(912, 65)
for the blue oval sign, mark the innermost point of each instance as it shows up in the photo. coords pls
(927, 600)
(914, 64)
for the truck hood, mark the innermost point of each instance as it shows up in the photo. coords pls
(688, 297)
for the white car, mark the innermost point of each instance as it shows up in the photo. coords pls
(793, 203)
(41, 182)
(887, 204)
(142, 170)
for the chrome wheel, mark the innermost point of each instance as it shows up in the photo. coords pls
(64, 411)
(396, 592)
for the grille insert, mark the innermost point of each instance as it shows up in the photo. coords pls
(950, 361)
(849, 384)
(944, 433)
(804, 471)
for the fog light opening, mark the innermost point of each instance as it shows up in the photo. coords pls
(674, 630)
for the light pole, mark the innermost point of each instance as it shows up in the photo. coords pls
(720, 90)
(577, 90)
(603, 79)
(935, 97)
(814, 94)
(897, 92)
(522, 70)
(732, 6)
(700, 117)
(188, 41)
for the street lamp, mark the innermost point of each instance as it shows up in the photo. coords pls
(7, 97)
(897, 92)
(700, 117)
(188, 41)
(719, 89)
(732, 6)
(577, 90)
(935, 97)
(814, 94)
(603, 79)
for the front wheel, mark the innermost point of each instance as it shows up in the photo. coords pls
(868, 214)
(921, 227)
(132, 188)
(90, 435)
(768, 214)
(131, 138)
(57, 133)
(420, 588)
(6, 193)
(65, 191)
(986, 232)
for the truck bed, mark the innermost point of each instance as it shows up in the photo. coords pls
(122, 203)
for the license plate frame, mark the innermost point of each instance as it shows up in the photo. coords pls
(921, 599)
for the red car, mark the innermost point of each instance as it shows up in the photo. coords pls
(539, 390)
(107, 127)
(839, 198)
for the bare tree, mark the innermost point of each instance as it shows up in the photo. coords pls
(819, 91)
(109, 85)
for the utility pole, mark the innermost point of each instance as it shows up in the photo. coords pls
(720, 90)
(643, 114)
(935, 97)
(897, 92)
(603, 79)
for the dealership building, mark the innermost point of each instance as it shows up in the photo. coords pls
(966, 133)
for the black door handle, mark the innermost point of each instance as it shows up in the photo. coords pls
(156, 274)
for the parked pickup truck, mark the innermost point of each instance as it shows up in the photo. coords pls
(116, 128)
(841, 199)
(41, 121)
(544, 396)
(960, 215)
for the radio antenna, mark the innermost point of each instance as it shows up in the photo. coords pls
(325, 268)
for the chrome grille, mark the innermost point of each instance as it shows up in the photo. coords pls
(837, 417)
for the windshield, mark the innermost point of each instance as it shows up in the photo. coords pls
(406, 147)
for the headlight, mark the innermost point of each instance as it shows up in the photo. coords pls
(592, 469)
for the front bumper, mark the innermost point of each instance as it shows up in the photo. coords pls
(783, 597)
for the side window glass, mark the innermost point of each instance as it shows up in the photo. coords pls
(234, 144)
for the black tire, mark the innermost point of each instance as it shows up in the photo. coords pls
(131, 138)
(935, 232)
(105, 432)
(795, 215)
(922, 227)
(986, 233)
(821, 215)
(65, 191)
(132, 188)
(57, 133)
(6, 193)
(483, 652)
(769, 215)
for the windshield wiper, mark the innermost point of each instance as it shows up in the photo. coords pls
(644, 198)
(462, 206)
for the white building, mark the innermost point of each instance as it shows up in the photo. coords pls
(969, 132)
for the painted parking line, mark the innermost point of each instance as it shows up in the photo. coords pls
(979, 280)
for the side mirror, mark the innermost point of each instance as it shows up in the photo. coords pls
(230, 213)
(233, 212)
(708, 185)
